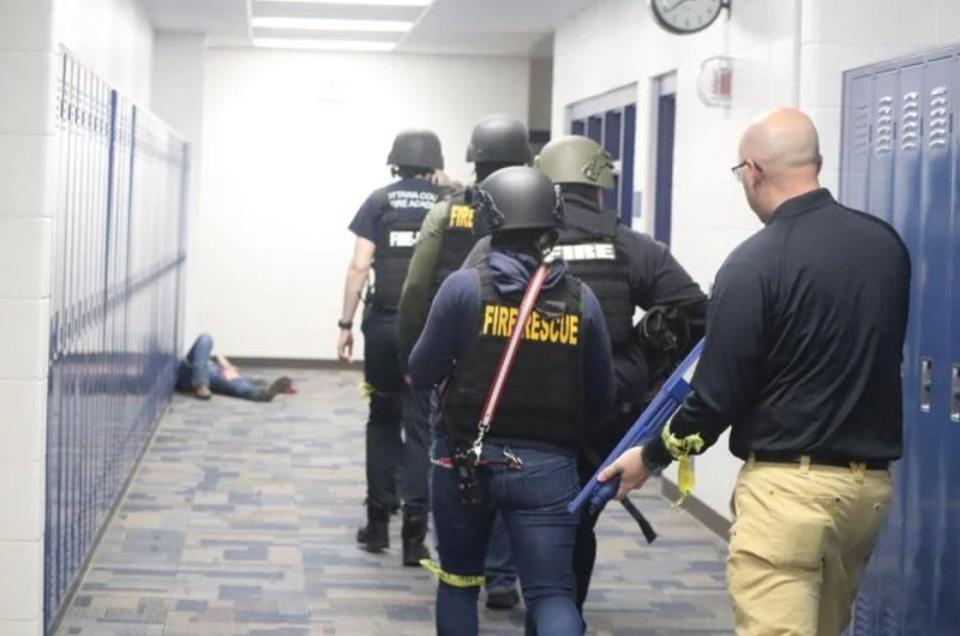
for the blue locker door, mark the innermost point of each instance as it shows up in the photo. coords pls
(910, 175)
(951, 561)
(880, 170)
(855, 160)
(924, 538)
(944, 83)
(906, 218)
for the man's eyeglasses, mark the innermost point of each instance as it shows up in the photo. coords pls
(737, 170)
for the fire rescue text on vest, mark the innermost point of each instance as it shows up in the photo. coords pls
(499, 321)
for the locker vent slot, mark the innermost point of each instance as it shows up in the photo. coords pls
(939, 129)
(860, 136)
(885, 123)
(910, 121)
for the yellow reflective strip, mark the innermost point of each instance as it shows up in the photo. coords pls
(680, 449)
(366, 390)
(454, 580)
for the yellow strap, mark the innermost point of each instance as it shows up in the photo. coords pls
(366, 390)
(680, 449)
(454, 580)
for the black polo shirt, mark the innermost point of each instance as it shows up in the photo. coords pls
(805, 334)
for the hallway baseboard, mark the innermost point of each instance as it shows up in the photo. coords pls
(714, 521)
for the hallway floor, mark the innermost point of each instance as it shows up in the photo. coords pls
(241, 521)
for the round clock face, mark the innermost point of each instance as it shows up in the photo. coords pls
(686, 16)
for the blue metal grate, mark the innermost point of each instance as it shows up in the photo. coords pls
(115, 309)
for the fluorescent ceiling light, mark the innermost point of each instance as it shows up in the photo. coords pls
(381, 3)
(325, 24)
(323, 45)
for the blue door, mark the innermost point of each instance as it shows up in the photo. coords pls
(663, 206)
(900, 163)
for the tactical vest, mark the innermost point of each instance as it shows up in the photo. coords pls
(396, 240)
(588, 244)
(543, 399)
(461, 231)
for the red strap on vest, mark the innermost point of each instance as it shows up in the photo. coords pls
(509, 354)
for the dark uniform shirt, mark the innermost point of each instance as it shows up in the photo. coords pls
(805, 336)
(411, 197)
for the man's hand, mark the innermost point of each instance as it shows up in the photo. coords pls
(345, 346)
(633, 472)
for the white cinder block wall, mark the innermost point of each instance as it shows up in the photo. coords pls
(785, 52)
(293, 142)
(114, 38)
(27, 178)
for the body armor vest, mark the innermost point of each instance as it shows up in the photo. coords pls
(462, 229)
(543, 399)
(396, 240)
(588, 243)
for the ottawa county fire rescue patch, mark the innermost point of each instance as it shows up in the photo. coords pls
(499, 320)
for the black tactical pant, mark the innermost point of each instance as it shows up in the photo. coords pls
(398, 434)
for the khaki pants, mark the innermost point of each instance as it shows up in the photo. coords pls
(801, 538)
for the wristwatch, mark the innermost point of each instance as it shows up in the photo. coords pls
(345, 324)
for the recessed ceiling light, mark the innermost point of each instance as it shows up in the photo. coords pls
(382, 3)
(323, 45)
(324, 24)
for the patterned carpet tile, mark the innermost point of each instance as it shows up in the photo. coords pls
(241, 518)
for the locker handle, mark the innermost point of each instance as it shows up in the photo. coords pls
(926, 383)
(955, 393)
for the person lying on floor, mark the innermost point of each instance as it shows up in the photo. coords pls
(202, 373)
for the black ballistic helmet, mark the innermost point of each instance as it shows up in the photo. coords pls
(518, 198)
(416, 149)
(500, 138)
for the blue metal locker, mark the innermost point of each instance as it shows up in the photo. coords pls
(115, 304)
(900, 162)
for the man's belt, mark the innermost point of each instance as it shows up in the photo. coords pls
(782, 458)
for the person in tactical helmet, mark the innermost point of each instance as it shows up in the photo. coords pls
(525, 466)
(449, 232)
(626, 270)
(386, 227)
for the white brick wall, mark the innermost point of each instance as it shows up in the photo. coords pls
(27, 180)
(114, 38)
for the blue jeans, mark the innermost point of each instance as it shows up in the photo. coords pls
(197, 368)
(501, 574)
(532, 502)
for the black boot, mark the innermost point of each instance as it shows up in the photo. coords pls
(414, 533)
(375, 536)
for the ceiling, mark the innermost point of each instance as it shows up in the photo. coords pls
(461, 27)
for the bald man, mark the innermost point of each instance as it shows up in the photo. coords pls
(805, 336)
